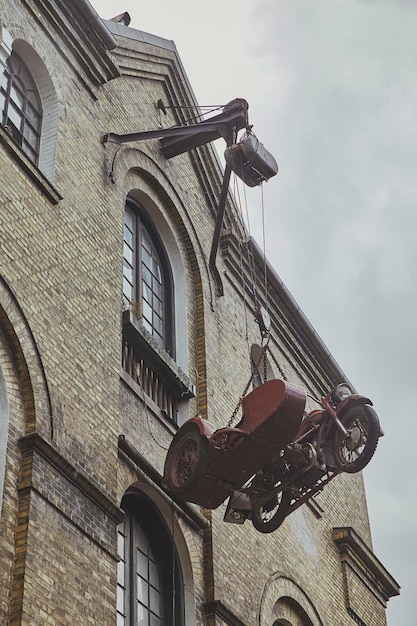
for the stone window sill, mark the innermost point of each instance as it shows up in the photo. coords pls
(155, 356)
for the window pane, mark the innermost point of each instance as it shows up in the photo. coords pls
(147, 325)
(147, 293)
(121, 573)
(3, 80)
(154, 601)
(157, 305)
(33, 117)
(128, 272)
(146, 258)
(147, 311)
(17, 96)
(146, 240)
(33, 104)
(143, 616)
(15, 116)
(158, 325)
(128, 254)
(142, 564)
(153, 574)
(129, 218)
(157, 288)
(142, 541)
(30, 136)
(146, 276)
(156, 269)
(127, 290)
(128, 234)
(121, 538)
(142, 590)
(120, 599)
(29, 151)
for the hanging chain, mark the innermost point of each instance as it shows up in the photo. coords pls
(262, 357)
(281, 371)
(258, 308)
(255, 369)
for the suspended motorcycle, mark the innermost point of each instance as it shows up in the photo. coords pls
(341, 436)
(277, 457)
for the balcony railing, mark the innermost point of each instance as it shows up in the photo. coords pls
(152, 368)
(144, 375)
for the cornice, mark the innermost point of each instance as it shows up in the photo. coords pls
(355, 554)
(78, 37)
(30, 444)
(147, 56)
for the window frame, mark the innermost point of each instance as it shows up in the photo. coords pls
(144, 526)
(17, 79)
(143, 225)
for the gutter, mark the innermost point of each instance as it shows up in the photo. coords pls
(96, 23)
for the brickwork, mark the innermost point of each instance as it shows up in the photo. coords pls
(68, 401)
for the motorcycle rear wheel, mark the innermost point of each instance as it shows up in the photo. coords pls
(186, 461)
(268, 516)
(353, 451)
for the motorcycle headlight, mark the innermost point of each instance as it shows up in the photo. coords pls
(342, 392)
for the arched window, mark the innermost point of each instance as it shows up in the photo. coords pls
(149, 581)
(147, 281)
(290, 613)
(21, 106)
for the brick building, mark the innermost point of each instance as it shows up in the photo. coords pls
(119, 319)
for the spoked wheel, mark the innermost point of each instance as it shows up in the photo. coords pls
(354, 450)
(268, 516)
(186, 461)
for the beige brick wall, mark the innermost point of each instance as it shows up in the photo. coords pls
(63, 263)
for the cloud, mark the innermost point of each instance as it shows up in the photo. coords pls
(332, 91)
(342, 229)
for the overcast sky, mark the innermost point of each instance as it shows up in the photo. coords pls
(332, 92)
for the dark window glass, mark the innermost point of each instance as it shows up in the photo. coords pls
(21, 106)
(147, 283)
(149, 581)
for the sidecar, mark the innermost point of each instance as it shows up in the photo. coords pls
(205, 465)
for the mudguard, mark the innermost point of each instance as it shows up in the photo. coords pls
(205, 427)
(351, 401)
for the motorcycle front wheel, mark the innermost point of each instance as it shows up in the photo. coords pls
(268, 516)
(354, 450)
(186, 461)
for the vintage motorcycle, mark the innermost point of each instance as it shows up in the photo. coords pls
(340, 436)
(277, 457)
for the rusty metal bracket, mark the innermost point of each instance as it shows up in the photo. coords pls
(178, 139)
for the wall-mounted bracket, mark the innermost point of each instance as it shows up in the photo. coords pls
(248, 159)
(178, 139)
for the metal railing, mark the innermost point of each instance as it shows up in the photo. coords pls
(149, 381)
